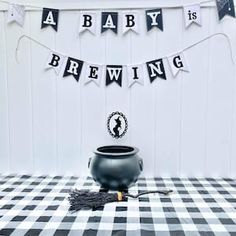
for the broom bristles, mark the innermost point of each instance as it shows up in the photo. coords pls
(84, 199)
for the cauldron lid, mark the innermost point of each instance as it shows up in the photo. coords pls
(116, 150)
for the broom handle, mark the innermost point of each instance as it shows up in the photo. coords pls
(147, 192)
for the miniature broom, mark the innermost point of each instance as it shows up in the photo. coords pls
(84, 199)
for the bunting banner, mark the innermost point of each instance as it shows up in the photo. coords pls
(225, 7)
(177, 62)
(114, 74)
(109, 21)
(154, 19)
(50, 18)
(16, 13)
(135, 74)
(93, 74)
(130, 19)
(88, 22)
(192, 14)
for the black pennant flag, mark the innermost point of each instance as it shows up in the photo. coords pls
(109, 21)
(225, 7)
(156, 69)
(154, 19)
(73, 67)
(114, 74)
(50, 18)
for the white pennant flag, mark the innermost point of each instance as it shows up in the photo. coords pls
(135, 74)
(130, 21)
(192, 13)
(93, 73)
(177, 62)
(55, 61)
(88, 21)
(16, 13)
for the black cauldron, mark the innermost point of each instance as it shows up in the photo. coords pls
(116, 167)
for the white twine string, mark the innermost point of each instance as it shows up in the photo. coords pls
(119, 8)
(185, 49)
(32, 39)
(26, 5)
(204, 39)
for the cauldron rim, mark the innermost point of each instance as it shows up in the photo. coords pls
(131, 150)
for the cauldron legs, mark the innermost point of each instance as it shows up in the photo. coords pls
(104, 190)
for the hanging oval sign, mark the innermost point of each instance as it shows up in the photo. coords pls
(117, 124)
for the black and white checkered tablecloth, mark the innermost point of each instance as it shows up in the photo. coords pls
(37, 205)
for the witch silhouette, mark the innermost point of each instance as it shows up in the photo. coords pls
(117, 127)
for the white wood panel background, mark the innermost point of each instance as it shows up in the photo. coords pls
(185, 126)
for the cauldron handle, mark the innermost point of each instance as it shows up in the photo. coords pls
(89, 161)
(141, 164)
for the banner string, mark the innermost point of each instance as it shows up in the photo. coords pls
(185, 49)
(32, 39)
(208, 37)
(68, 9)
(26, 5)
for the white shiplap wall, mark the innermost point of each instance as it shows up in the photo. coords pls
(185, 126)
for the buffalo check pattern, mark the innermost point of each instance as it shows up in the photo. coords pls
(38, 205)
